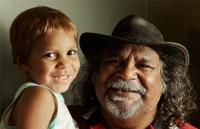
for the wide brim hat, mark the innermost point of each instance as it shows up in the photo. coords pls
(133, 30)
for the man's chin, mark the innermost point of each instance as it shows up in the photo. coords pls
(124, 110)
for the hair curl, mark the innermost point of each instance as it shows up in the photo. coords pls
(177, 101)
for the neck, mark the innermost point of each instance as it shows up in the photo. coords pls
(140, 120)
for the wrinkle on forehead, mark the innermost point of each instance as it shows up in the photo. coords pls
(128, 48)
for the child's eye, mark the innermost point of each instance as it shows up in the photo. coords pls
(51, 55)
(71, 52)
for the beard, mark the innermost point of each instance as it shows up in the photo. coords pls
(124, 112)
(115, 106)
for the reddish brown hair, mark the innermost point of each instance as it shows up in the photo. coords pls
(35, 24)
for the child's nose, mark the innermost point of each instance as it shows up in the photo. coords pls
(63, 63)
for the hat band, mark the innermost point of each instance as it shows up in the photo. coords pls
(135, 38)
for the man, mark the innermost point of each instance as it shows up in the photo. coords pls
(135, 80)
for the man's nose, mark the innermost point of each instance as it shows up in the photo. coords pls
(128, 71)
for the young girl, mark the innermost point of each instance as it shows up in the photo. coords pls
(44, 47)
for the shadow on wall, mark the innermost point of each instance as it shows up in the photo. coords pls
(10, 77)
(179, 22)
(1, 69)
(195, 68)
(193, 48)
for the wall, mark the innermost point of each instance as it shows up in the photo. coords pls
(89, 15)
(179, 21)
(1, 31)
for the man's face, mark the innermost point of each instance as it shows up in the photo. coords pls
(128, 80)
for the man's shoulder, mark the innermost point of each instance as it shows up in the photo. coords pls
(187, 126)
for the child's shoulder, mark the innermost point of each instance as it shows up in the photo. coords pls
(36, 95)
(33, 101)
(33, 91)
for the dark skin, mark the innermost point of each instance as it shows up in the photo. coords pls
(138, 64)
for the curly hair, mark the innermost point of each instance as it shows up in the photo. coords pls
(177, 100)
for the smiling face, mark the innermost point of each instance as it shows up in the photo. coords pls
(54, 61)
(128, 80)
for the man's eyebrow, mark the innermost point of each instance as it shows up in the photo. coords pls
(114, 50)
(112, 53)
(146, 60)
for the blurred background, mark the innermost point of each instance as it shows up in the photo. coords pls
(178, 20)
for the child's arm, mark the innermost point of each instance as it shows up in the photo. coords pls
(34, 109)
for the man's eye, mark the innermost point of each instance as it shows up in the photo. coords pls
(113, 61)
(71, 52)
(143, 66)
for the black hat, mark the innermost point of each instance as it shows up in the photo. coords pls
(133, 30)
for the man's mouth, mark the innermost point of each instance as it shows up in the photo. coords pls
(122, 95)
(123, 90)
(119, 90)
(126, 86)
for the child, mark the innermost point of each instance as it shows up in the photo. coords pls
(44, 47)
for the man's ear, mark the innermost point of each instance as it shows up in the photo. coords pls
(21, 65)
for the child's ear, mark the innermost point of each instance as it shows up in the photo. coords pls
(21, 65)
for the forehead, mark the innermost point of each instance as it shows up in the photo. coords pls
(56, 39)
(123, 49)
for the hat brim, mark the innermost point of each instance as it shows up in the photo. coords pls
(92, 44)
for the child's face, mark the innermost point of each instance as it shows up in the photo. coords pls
(54, 61)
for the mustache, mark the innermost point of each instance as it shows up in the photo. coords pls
(129, 86)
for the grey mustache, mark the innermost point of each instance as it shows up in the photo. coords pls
(126, 86)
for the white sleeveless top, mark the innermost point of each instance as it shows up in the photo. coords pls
(62, 120)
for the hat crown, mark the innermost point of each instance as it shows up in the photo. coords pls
(133, 30)
(138, 30)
